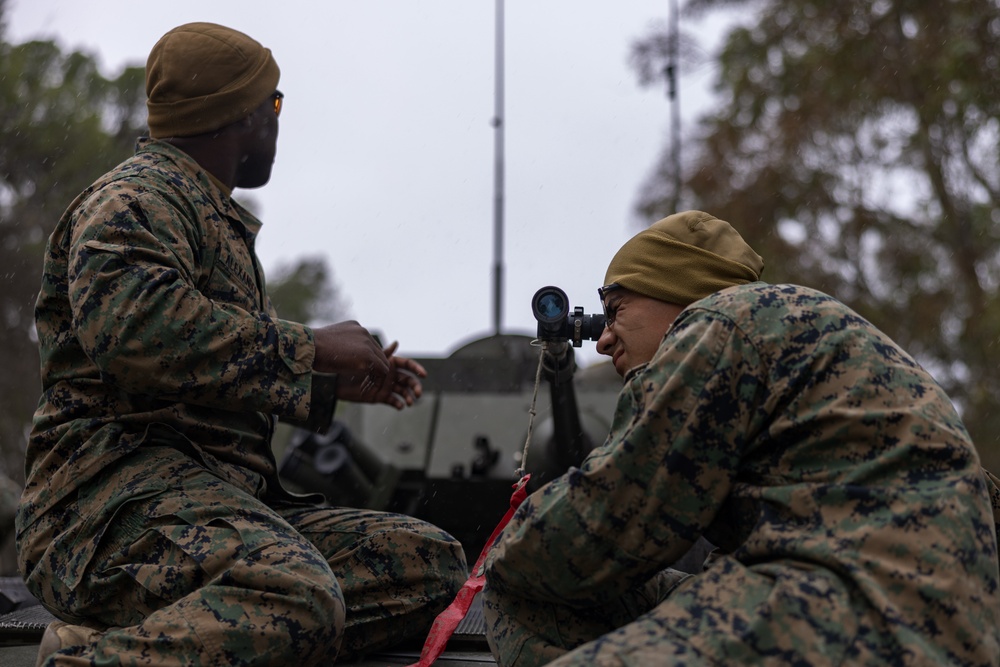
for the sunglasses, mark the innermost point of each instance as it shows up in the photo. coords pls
(277, 96)
(609, 313)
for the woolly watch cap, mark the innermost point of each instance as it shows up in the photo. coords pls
(683, 258)
(202, 76)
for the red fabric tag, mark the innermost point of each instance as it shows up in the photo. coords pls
(446, 622)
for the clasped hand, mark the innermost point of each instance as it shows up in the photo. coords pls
(366, 373)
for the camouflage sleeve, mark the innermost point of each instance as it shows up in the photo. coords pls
(643, 498)
(993, 486)
(137, 311)
(323, 399)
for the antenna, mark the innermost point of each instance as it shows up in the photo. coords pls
(498, 173)
(673, 64)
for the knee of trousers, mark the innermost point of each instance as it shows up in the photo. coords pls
(452, 566)
(328, 607)
(424, 555)
(294, 592)
(330, 618)
(312, 621)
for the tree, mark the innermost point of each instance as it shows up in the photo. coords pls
(303, 291)
(857, 145)
(63, 124)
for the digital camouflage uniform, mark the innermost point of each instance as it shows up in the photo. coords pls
(849, 507)
(152, 500)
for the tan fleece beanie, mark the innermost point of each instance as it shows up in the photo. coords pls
(202, 76)
(683, 258)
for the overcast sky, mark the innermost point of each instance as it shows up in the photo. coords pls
(386, 152)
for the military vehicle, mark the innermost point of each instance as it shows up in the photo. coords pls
(452, 458)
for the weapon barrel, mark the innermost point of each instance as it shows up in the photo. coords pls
(572, 444)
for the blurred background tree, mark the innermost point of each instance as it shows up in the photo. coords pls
(304, 291)
(856, 144)
(64, 124)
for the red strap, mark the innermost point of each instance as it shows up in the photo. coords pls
(446, 622)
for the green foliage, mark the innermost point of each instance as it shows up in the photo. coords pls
(63, 125)
(303, 291)
(857, 146)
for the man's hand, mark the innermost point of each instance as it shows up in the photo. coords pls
(365, 372)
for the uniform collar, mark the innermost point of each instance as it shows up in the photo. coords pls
(210, 186)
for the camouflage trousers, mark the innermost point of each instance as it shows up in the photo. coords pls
(181, 568)
(776, 614)
(530, 633)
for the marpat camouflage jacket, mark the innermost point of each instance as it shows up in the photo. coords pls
(836, 478)
(153, 324)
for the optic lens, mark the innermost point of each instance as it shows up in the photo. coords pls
(550, 305)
